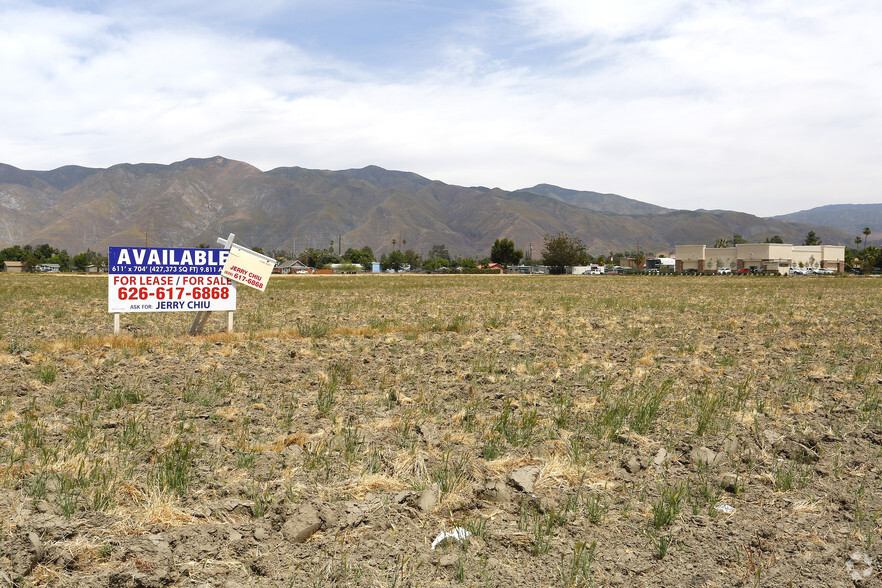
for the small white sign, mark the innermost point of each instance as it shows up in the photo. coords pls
(248, 267)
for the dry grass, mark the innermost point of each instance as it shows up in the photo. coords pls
(345, 389)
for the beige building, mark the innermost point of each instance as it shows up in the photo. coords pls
(768, 257)
(12, 267)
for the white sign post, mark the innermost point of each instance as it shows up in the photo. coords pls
(202, 317)
(244, 266)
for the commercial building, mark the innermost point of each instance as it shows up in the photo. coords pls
(767, 257)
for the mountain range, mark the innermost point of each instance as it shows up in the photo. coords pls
(197, 200)
(851, 218)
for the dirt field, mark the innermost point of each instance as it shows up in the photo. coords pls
(566, 431)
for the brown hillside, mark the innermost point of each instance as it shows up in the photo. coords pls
(196, 200)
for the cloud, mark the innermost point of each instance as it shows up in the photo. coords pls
(684, 104)
(569, 20)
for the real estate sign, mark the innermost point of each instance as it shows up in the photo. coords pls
(160, 279)
(248, 267)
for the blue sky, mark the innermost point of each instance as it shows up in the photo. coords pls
(764, 107)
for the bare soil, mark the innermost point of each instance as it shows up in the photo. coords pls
(571, 431)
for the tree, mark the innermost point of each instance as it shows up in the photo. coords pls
(318, 258)
(363, 257)
(504, 252)
(412, 258)
(737, 239)
(721, 243)
(393, 261)
(774, 239)
(467, 263)
(62, 259)
(561, 251)
(80, 261)
(849, 258)
(866, 233)
(639, 259)
(14, 253)
(870, 257)
(857, 240)
(30, 262)
(436, 264)
(439, 252)
(45, 251)
(812, 239)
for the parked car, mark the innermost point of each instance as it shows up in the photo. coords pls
(823, 270)
(857, 271)
(724, 271)
(796, 271)
(743, 270)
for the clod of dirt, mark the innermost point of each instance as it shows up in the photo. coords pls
(302, 524)
(27, 552)
(431, 434)
(633, 465)
(495, 491)
(660, 457)
(524, 479)
(428, 499)
(448, 560)
(772, 438)
(802, 452)
(705, 457)
(5, 580)
(730, 445)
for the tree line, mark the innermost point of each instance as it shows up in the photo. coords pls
(32, 256)
(559, 252)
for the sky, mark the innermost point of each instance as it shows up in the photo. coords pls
(766, 107)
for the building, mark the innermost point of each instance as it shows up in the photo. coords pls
(766, 257)
(12, 267)
(293, 267)
(661, 263)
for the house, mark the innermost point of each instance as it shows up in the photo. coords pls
(765, 257)
(52, 268)
(12, 267)
(293, 267)
(493, 266)
(92, 269)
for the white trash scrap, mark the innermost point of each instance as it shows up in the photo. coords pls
(458, 533)
(857, 560)
(725, 508)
